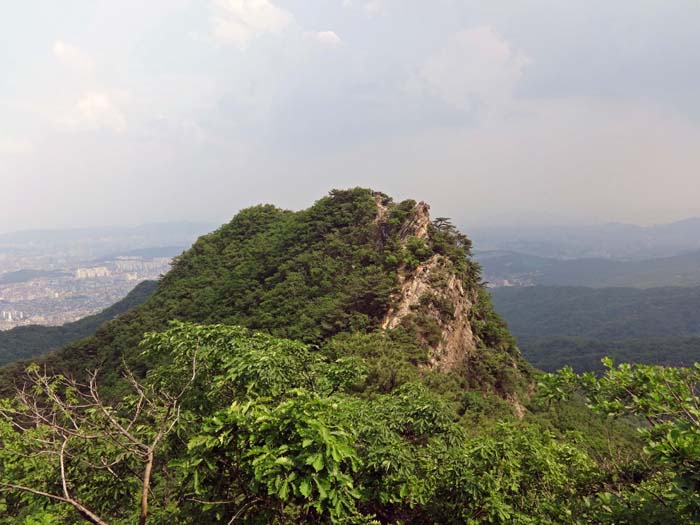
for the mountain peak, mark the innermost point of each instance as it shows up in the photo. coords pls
(354, 262)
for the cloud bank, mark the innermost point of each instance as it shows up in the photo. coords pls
(584, 111)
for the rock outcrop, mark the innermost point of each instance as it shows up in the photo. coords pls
(435, 291)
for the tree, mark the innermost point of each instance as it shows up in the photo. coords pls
(242, 427)
(667, 407)
(61, 441)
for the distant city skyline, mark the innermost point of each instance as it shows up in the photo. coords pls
(495, 113)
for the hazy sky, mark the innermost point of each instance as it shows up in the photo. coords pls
(495, 112)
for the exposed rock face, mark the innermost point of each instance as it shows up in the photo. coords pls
(418, 223)
(434, 288)
(382, 210)
(518, 409)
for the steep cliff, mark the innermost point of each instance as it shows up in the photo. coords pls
(433, 292)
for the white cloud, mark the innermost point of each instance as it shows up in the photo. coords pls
(581, 160)
(372, 7)
(327, 38)
(80, 104)
(477, 69)
(240, 21)
(15, 147)
(100, 111)
(71, 56)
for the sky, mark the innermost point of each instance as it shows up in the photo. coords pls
(495, 112)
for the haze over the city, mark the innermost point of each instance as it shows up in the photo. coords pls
(494, 112)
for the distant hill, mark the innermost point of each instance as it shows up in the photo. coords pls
(23, 276)
(555, 326)
(605, 241)
(91, 243)
(511, 268)
(148, 253)
(585, 355)
(25, 342)
(80, 234)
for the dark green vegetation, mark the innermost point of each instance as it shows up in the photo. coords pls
(558, 326)
(341, 364)
(584, 355)
(608, 314)
(27, 342)
(678, 270)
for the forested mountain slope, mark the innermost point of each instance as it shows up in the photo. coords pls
(585, 355)
(556, 326)
(607, 313)
(27, 342)
(355, 262)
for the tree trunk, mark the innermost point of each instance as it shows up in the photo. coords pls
(146, 487)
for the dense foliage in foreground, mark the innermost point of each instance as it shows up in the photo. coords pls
(248, 427)
(668, 401)
(241, 427)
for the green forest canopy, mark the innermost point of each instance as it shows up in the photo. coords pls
(558, 326)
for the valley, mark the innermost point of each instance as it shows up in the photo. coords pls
(558, 326)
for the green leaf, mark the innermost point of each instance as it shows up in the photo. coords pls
(284, 491)
(284, 460)
(316, 461)
(305, 488)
